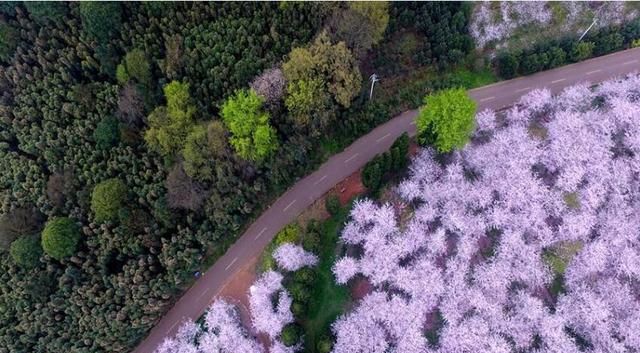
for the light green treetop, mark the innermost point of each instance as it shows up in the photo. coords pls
(252, 136)
(447, 119)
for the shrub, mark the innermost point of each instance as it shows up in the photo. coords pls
(304, 275)
(289, 234)
(107, 199)
(60, 237)
(446, 120)
(332, 204)
(372, 175)
(324, 345)
(26, 251)
(508, 65)
(582, 50)
(290, 335)
(107, 133)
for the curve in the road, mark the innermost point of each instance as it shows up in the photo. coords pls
(285, 209)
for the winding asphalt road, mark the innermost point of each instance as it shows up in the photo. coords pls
(284, 210)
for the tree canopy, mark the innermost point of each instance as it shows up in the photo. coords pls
(107, 199)
(60, 237)
(320, 77)
(446, 120)
(26, 251)
(169, 125)
(252, 136)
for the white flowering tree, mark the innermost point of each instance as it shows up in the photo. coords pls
(270, 304)
(291, 257)
(221, 333)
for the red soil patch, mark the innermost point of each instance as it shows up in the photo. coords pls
(413, 148)
(236, 291)
(360, 288)
(349, 187)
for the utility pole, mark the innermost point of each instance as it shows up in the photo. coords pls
(595, 18)
(585, 32)
(373, 78)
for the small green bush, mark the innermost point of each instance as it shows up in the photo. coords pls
(289, 234)
(324, 345)
(60, 237)
(332, 204)
(26, 251)
(291, 335)
(107, 199)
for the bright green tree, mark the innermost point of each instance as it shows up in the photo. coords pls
(169, 125)
(252, 136)
(446, 120)
(107, 199)
(60, 237)
(26, 251)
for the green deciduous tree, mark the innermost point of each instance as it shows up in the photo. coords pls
(446, 120)
(196, 154)
(252, 136)
(309, 104)
(376, 13)
(135, 65)
(107, 199)
(169, 125)
(321, 69)
(60, 237)
(361, 25)
(26, 251)
(332, 63)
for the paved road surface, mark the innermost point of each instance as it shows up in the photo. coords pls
(194, 302)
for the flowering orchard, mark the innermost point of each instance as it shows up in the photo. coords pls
(499, 22)
(222, 331)
(269, 304)
(525, 241)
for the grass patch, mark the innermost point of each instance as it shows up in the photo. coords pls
(571, 200)
(328, 299)
(472, 79)
(538, 131)
(558, 258)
